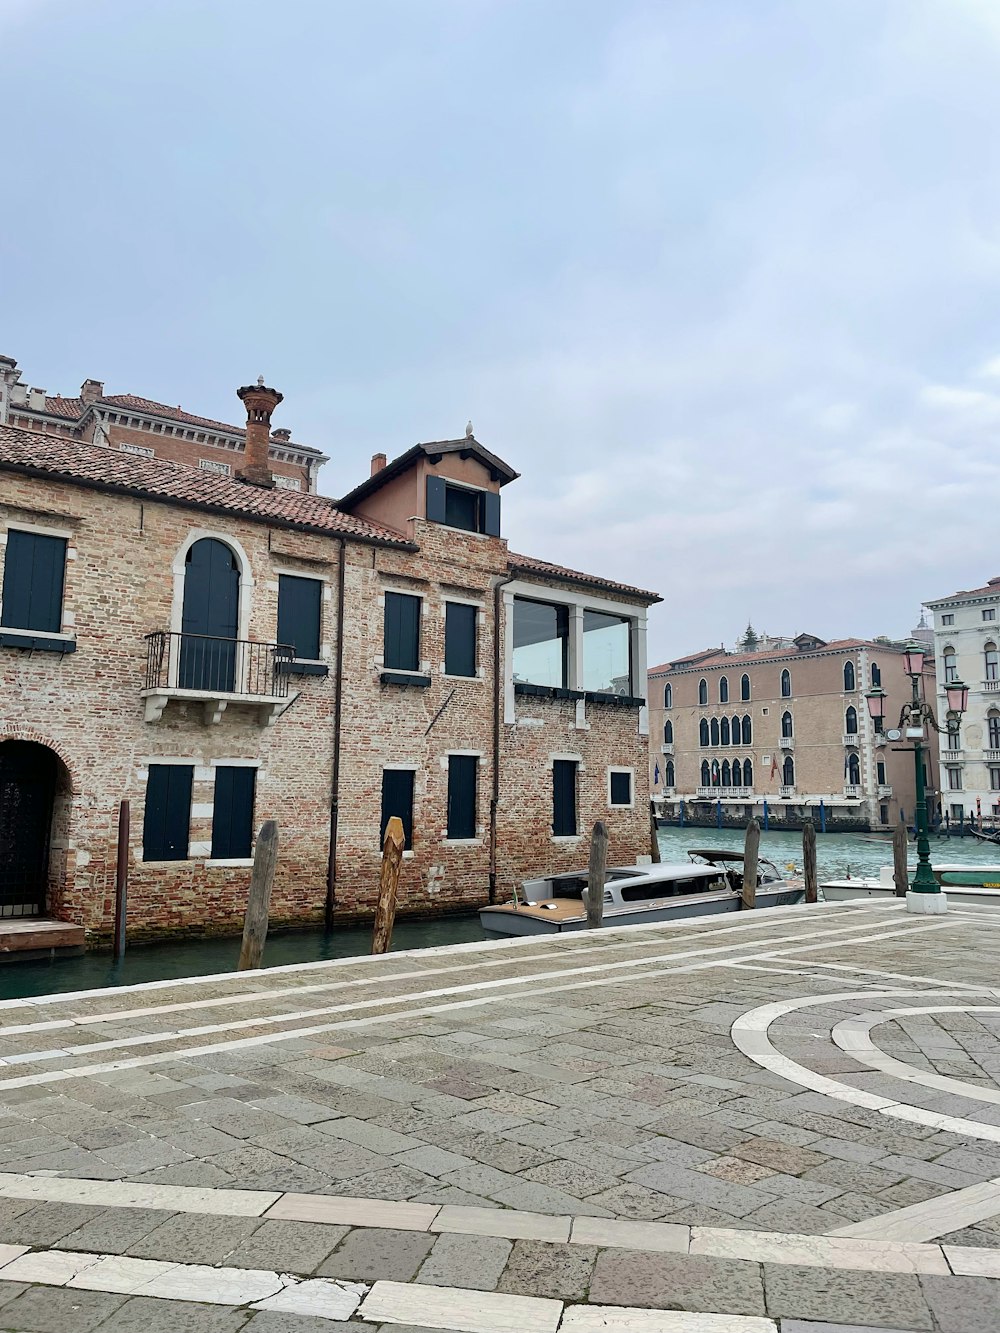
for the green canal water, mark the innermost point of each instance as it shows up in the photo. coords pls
(837, 855)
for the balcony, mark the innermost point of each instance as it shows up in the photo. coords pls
(786, 742)
(786, 793)
(852, 738)
(991, 686)
(881, 738)
(851, 793)
(725, 793)
(667, 747)
(195, 668)
(992, 756)
(950, 755)
(884, 791)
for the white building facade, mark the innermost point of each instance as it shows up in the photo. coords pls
(967, 648)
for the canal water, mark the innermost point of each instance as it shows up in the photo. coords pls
(837, 855)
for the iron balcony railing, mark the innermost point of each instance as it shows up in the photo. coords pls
(216, 666)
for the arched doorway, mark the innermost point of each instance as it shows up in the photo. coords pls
(29, 775)
(210, 617)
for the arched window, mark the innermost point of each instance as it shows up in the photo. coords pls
(703, 731)
(991, 662)
(209, 617)
(747, 773)
(716, 775)
(993, 729)
(714, 727)
(724, 731)
(786, 723)
(746, 730)
(744, 686)
(853, 770)
(736, 729)
(706, 776)
(668, 733)
(726, 779)
(851, 721)
(849, 681)
(786, 684)
(788, 772)
(703, 691)
(668, 773)
(668, 695)
(723, 689)
(950, 663)
(876, 675)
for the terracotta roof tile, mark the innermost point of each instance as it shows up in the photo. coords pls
(64, 407)
(992, 587)
(95, 465)
(526, 564)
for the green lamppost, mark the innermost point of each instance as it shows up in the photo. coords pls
(925, 894)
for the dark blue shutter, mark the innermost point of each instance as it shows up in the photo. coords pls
(232, 817)
(299, 604)
(621, 788)
(491, 514)
(34, 570)
(167, 819)
(402, 632)
(435, 499)
(462, 796)
(564, 798)
(397, 799)
(459, 639)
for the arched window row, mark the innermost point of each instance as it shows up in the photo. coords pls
(786, 684)
(727, 774)
(721, 731)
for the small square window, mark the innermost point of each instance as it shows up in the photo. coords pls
(948, 619)
(990, 613)
(620, 786)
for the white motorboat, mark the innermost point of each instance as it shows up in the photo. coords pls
(965, 885)
(710, 882)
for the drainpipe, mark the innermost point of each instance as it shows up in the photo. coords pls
(331, 865)
(497, 687)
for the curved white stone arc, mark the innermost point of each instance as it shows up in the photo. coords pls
(749, 1034)
(853, 1035)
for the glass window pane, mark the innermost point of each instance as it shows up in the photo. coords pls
(461, 508)
(541, 641)
(606, 653)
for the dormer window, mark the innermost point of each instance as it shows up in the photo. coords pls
(465, 507)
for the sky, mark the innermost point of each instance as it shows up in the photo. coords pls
(719, 278)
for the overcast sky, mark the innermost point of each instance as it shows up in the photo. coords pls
(720, 278)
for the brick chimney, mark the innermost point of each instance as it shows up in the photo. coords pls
(378, 463)
(260, 402)
(91, 391)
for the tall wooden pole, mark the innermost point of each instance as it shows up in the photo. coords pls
(654, 842)
(596, 876)
(809, 860)
(751, 847)
(265, 859)
(900, 873)
(121, 881)
(392, 860)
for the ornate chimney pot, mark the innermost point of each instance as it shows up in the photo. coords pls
(260, 402)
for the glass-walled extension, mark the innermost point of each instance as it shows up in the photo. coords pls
(607, 654)
(541, 643)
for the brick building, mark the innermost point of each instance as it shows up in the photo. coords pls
(131, 424)
(782, 721)
(219, 651)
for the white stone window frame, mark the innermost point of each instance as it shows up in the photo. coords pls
(568, 839)
(208, 807)
(478, 840)
(414, 769)
(67, 618)
(578, 600)
(179, 567)
(326, 618)
(480, 606)
(622, 805)
(424, 667)
(142, 776)
(203, 773)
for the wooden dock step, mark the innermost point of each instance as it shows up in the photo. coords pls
(24, 938)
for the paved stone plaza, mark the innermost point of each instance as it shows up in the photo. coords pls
(788, 1121)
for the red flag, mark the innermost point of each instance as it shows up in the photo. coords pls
(774, 765)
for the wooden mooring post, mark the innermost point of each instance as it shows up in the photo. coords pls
(751, 848)
(121, 881)
(265, 858)
(385, 910)
(900, 872)
(596, 876)
(654, 842)
(809, 861)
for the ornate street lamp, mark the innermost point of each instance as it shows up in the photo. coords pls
(925, 894)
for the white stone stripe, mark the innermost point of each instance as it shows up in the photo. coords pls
(138, 1194)
(189, 1052)
(620, 1319)
(282, 992)
(834, 1251)
(691, 926)
(933, 1217)
(413, 1303)
(242, 1024)
(853, 1035)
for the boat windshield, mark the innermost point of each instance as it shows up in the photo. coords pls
(674, 888)
(573, 886)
